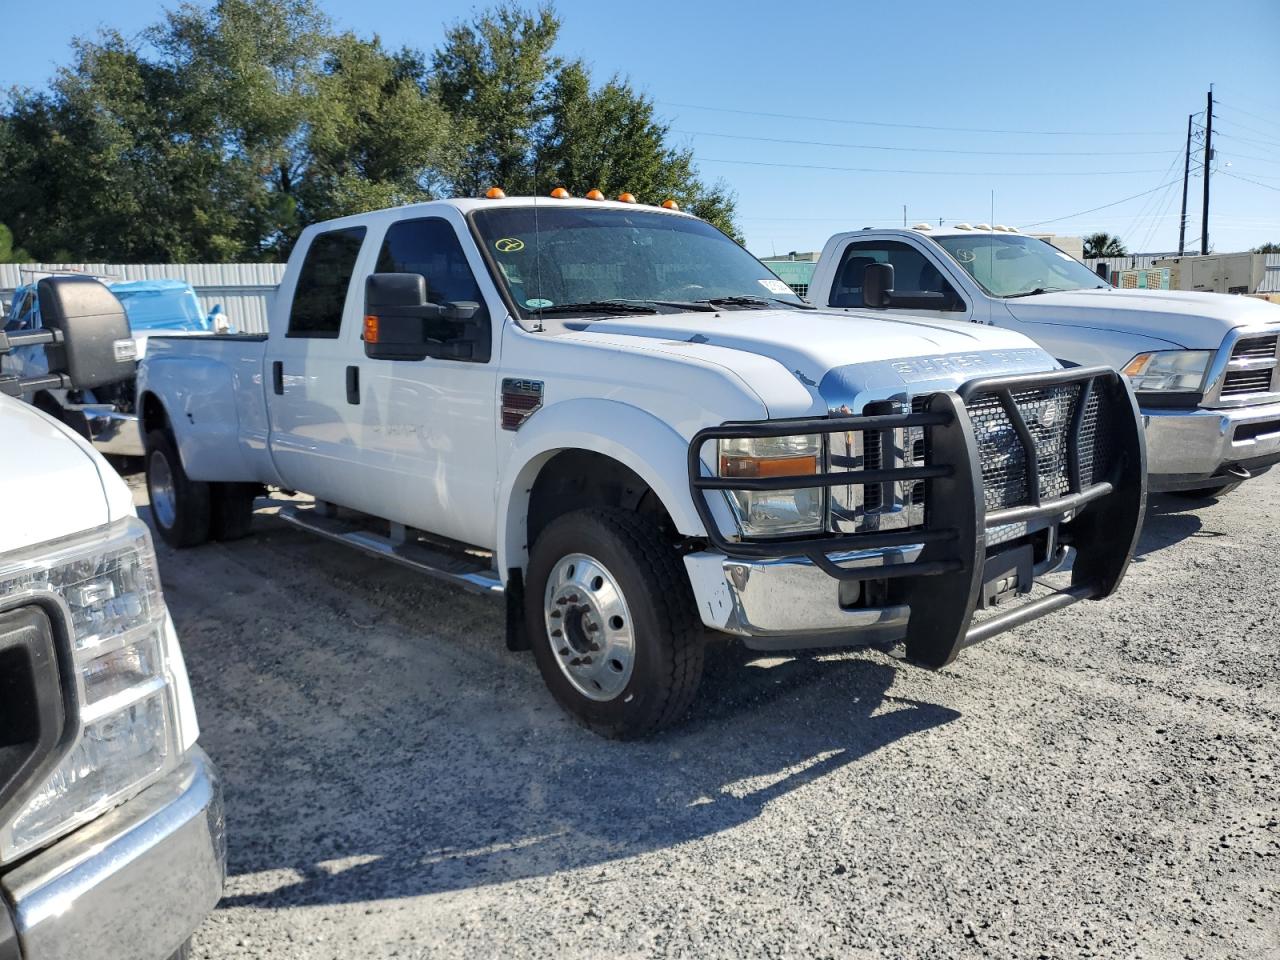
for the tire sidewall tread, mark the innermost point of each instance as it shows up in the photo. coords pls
(192, 504)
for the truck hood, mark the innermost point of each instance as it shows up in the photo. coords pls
(57, 486)
(1198, 321)
(811, 343)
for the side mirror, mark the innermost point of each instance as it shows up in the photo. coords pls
(877, 285)
(97, 345)
(395, 306)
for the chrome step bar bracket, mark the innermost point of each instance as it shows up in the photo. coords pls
(438, 564)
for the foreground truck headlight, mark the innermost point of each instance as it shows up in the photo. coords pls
(773, 513)
(102, 593)
(1171, 370)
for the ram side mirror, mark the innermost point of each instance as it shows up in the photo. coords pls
(877, 285)
(96, 345)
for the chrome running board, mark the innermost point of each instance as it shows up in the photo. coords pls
(458, 569)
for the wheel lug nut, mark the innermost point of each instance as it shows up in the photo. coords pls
(595, 647)
(556, 614)
(592, 627)
(556, 633)
(561, 601)
(563, 651)
(573, 598)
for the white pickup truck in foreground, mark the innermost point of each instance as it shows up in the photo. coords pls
(112, 840)
(618, 418)
(1204, 365)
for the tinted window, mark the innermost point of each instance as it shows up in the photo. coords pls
(430, 247)
(322, 284)
(913, 272)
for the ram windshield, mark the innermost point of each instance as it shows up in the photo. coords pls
(1016, 266)
(562, 258)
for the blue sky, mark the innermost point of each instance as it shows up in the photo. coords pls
(738, 80)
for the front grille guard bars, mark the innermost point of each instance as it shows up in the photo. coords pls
(945, 581)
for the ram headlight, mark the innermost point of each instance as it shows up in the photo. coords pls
(103, 594)
(1180, 371)
(774, 513)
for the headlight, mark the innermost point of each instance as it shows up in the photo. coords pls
(774, 513)
(1174, 370)
(103, 594)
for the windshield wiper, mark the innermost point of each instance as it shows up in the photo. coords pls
(749, 301)
(595, 306)
(1032, 293)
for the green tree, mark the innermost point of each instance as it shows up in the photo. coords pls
(536, 122)
(8, 252)
(1271, 247)
(1103, 245)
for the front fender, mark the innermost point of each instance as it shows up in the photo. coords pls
(633, 437)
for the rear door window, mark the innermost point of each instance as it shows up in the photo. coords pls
(321, 293)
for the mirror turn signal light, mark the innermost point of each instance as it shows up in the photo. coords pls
(495, 193)
(626, 198)
(560, 193)
(670, 204)
(371, 323)
(594, 195)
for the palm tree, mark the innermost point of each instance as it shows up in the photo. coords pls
(1103, 245)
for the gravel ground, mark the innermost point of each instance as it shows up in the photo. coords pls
(1101, 783)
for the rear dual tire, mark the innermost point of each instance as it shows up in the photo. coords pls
(190, 512)
(610, 616)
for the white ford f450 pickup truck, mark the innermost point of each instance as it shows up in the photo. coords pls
(112, 841)
(619, 418)
(1204, 365)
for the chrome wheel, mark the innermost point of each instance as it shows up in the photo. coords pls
(164, 499)
(589, 627)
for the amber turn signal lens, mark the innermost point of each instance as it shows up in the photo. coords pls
(671, 204)
(560, 193)
(739, 466)
(594, 195)
(626, 198)
(495, 193)
(370, 329)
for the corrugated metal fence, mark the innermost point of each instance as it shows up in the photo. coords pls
(245, 290)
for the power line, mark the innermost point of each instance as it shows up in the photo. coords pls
(1256, 183)
(1114, 203)
(930, 173)
(993, 153)
(1247, 113)
(1244, 126)
(917, 126)
(1260, 143)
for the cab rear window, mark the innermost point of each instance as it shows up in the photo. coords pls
(321, 294)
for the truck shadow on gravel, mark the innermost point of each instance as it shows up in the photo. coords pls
(1171, 520)
(508, 801)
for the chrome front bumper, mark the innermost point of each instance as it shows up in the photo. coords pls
(131, 885)
(1186, 448)
(790, 602)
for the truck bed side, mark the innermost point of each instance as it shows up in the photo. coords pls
(210, 391)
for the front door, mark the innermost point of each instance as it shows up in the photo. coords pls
(428, 426)
(913, 272)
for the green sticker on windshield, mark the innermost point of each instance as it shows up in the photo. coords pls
(537, 303)
(508, 245)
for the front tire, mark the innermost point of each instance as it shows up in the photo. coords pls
(180, 506)
(610, 616)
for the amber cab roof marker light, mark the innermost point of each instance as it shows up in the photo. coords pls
(626, 198)
(670, 204)
(594, 195)
(495, 193)
(560, 193)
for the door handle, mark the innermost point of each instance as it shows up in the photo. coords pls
(353, 384)
(277, 376)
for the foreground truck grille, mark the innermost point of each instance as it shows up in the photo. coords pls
(1048, 413)
(1252, 367)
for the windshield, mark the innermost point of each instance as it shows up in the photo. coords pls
(581, 256)
(1014, 266)
(156, 307)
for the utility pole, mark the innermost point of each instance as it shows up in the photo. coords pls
(1208, 159)
(1186, 174)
